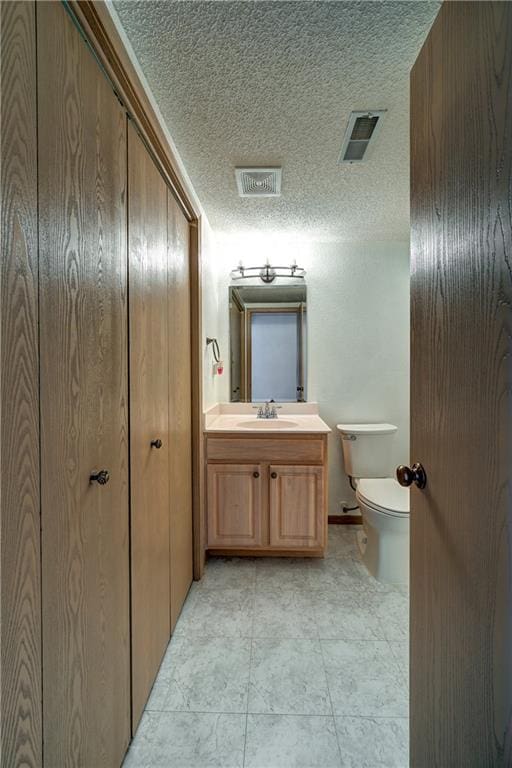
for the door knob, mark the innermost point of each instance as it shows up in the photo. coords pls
(156, 443)
(406, 476)
(273, 475)
(256, 475)
(102, 477)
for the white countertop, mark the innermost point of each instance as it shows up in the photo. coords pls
(293, 418)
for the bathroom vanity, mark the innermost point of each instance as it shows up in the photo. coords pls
(266, 481)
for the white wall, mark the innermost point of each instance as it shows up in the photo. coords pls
(214, 284)
(358, 335)
(358, 343)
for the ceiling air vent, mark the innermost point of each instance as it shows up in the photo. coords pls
(361, 130)
(258, 182)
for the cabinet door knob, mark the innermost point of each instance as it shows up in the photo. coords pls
(273, 475)
(256, 475)
(156, 443)
(102, 477)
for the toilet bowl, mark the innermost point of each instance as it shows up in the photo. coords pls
(384, 505)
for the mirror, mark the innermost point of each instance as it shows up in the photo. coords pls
(267, 328)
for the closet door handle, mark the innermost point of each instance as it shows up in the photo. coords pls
(156, 443)
(273, 475)
(256, 475)
(102, 477)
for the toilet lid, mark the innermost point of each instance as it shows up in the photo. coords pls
(384, 493)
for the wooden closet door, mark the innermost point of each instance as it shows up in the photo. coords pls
(20, 621)
(84, 418)
(149, 418)
(180, 416)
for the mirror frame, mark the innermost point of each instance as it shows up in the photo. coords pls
(246, 313)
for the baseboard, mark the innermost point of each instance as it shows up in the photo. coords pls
(216, 552)
(345, 520)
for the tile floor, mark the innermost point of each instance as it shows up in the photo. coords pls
(279, 663)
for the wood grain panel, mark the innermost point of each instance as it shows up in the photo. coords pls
(20, 638)
(276, 449)
(180, 407)
(96, 20)
(297, 507)
(198, 448)
(235, 509)
(461, 586)
(149, 418)
(84, 418)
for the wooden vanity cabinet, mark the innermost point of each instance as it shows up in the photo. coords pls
(266, 495)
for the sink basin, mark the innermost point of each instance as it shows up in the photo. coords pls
(270, 424)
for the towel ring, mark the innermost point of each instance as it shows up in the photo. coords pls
(215, 348)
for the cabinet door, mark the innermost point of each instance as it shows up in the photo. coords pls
(297, 509)
(235, 508)
(180, 404)
(84, 419)
(149, 418)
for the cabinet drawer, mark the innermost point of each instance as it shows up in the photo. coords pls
(287, 450)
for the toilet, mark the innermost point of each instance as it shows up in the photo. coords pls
(384, 504)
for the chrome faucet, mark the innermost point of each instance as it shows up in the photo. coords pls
(267, 412)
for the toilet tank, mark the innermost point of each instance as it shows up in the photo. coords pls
(367, 449)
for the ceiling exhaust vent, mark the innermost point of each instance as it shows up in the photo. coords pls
(361, 130)
(258, 182)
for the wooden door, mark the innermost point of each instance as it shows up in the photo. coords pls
(461, 583)
(20, 621)
(149, 418)
(297, 507)
(84, 401)
(235, 505)
(180, 407)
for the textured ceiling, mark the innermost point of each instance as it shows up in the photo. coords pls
(264, 83)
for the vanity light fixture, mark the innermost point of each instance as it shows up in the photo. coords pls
(267, 273)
